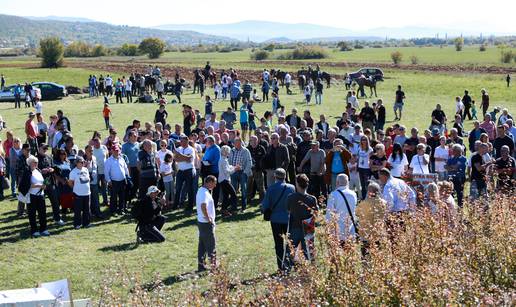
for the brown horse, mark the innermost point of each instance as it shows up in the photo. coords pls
(210, 76)
(362, 82)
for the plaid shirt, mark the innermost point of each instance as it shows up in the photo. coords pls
(241, 157)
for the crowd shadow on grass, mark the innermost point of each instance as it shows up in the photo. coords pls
(21, 231)
(123, 247)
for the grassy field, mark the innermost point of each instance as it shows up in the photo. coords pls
(87, 255)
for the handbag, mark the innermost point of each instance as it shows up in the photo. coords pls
(5, 183)
(268, 212)
(349, 211)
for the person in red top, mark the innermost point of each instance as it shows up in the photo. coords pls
(31, 130)
(106, 112)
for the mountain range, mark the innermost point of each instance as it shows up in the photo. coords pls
(26, 32)
(260, 31)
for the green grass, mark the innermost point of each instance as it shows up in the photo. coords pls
(427, 55)
(85, 255)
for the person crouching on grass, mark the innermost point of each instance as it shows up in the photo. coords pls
(206, 223)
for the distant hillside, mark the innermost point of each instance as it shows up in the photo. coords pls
(60, 18)
(266, 31)
(19, 32)
(260, 31)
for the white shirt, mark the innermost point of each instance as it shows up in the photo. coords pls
(115, 169)
(417, 164)
(363, 157)
(398, 165)
(288, 78)
(443, 153)
(128, 85)
(36, 178)
(337, 209)
(398, 195)
(204, 197)
(81, 181)
(459, 106)
(354, 101)
(100, 154)
(214, 124)
(167, 168)
(188, 151)
(39, 107)
(109, 81)
(162, 154)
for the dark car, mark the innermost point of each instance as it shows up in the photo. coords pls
(50, 90)
(376, 73)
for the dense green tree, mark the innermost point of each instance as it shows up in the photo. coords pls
(51, 51)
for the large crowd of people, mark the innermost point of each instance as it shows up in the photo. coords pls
(360, 168)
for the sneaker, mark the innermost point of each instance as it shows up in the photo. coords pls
(36, 234)
(60, 223)
(45, 233)
(78, 227)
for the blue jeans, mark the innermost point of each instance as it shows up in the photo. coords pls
(103, 187)
(13, 180)
(184, 180)
(240, 178)
(297, 237)
(318, 98)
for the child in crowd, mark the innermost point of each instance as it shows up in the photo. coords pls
(106, 112)
(354, 179)
(167, 173)
(473, 110)
(308, 94)
(217, 90)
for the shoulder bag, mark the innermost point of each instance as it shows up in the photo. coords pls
(349, 211)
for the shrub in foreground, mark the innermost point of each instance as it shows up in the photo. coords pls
(434, 259)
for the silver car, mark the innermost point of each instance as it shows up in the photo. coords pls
(7, 94)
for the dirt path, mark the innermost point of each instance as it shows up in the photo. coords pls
(168, 71)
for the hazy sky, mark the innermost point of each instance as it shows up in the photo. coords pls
(472, 15)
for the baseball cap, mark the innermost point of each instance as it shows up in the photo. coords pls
(435, 132)
(32, 114)
(152, 189)
(79, 159)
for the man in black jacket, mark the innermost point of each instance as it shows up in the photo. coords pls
(23, 174)
(466, 100)
(257, 154)
(45, 166)
(150, 220)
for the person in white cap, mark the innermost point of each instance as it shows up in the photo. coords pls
(150, 220)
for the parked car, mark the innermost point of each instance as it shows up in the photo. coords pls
(50, 90)
(376, 73)
(7, 94)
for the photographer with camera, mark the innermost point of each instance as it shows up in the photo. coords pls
(148, 215)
